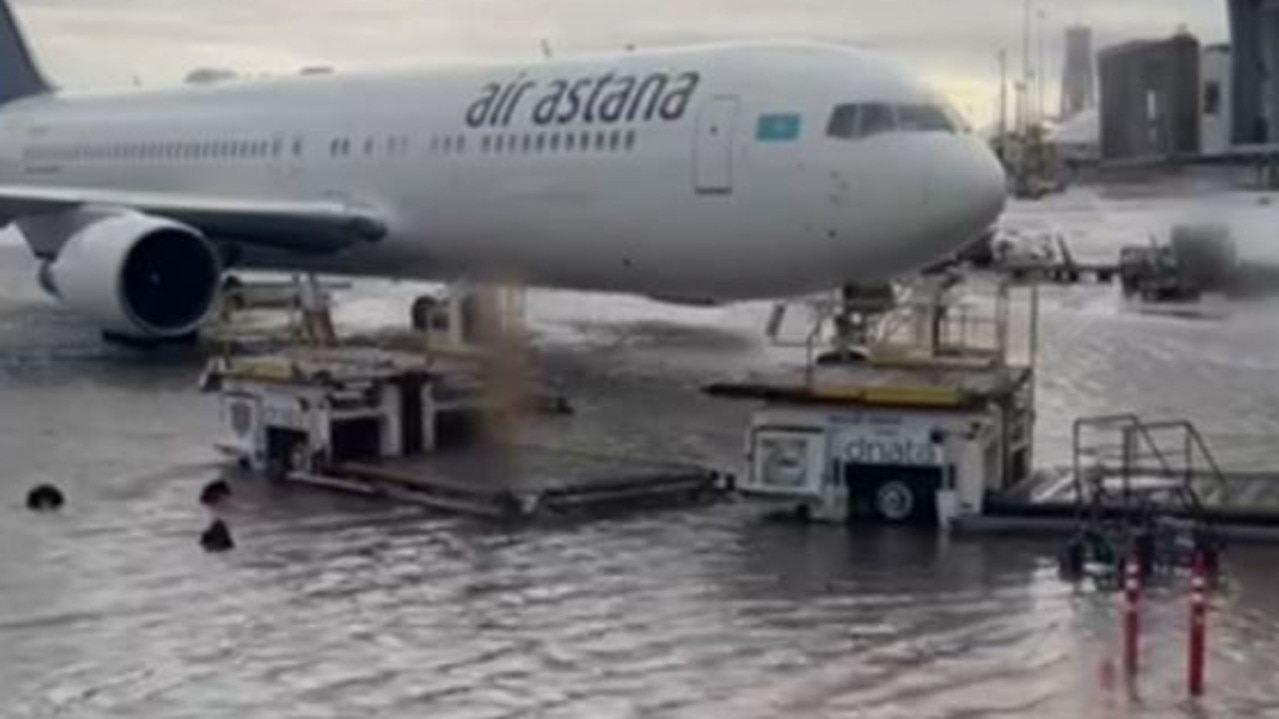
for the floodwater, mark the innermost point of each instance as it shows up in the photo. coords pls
(338, 607)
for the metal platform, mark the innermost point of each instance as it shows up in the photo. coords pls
(938, 385)
(925, 408)
(526, 482)
(1131, 476)
(427, 428)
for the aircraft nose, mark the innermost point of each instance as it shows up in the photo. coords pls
(968, 189)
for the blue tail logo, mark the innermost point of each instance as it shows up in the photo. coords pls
(19, 76)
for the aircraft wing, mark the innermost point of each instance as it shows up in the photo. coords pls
(310, 226)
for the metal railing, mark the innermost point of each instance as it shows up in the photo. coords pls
(1140, 453)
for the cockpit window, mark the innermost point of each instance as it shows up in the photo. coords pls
(843, 122)
(923, 118)
(857, 120)
(876, 118)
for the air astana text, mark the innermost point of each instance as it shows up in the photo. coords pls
(607, 98)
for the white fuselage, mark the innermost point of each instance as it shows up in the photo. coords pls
(725, 186)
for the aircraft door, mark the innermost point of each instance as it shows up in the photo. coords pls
(716, 127)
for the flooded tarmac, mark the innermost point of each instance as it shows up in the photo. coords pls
(338, 607)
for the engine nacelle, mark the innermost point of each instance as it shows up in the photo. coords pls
(137, 276)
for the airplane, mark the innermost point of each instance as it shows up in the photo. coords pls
(704, 174)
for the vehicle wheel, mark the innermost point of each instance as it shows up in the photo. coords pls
(299, 459)
(835, 358)
(276, 470)
(895, 501)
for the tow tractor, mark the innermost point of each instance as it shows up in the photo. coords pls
(1196, 260)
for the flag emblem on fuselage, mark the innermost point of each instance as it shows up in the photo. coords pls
(778, 127)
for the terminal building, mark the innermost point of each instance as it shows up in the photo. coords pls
(1150, 99)
(1216, 133)
(1078, 84)
(1254, 30)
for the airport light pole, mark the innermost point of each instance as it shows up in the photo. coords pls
(1042, 73)
(1024, 121)
(1003, 102)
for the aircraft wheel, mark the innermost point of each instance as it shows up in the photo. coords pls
(895, 501)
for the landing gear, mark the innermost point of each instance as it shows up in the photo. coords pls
(232, 293)
(854, 321)
(468, 315)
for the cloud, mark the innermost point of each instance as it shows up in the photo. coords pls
(94, 44)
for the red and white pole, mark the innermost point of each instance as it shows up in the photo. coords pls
(1198, 627)
(1132, 617)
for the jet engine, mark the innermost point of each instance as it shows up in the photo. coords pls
(137, 276)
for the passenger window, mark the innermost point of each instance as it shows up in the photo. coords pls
(600, 139)
(923, 118)
(368, 146)
(447, 146)
(297, 147)
(615, 140)
(526, 143)
(461, 143)
(555, 142)
(569, 141)
(876, 118)
(539, 143)
(630, 139)
(485, 143)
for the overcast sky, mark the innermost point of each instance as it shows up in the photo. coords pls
(109, 43)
